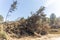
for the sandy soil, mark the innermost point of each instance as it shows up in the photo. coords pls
(47, 37)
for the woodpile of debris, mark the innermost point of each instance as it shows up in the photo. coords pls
(32, 26)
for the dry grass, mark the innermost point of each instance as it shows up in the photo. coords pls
(3, 34)
(54, 31)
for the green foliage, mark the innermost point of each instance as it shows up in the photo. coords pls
(13, 6)
(41, 9)
(52, 18)
(1, 18)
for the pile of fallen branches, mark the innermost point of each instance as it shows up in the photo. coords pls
(25, 27)
(34, 25)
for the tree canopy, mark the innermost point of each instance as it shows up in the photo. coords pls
(52, 18)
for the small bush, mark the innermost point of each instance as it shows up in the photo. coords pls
(3, 35)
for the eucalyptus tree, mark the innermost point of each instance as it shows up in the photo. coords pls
(11, 9)
(52, 18)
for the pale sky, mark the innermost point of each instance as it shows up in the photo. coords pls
(26, 6)
(53, 6)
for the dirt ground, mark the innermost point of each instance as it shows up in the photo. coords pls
(46, 37)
